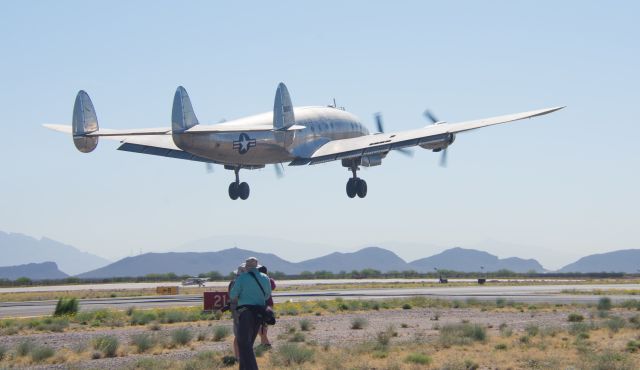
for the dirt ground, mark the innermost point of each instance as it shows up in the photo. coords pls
(328, 330)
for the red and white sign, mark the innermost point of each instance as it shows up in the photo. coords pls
(215, 300)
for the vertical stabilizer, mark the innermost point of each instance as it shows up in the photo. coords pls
(84, 122)
(182, 115)
(283, 117)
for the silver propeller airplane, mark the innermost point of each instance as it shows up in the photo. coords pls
(300, 136)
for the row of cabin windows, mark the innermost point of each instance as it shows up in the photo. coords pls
(326, 126)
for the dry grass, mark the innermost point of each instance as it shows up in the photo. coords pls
(587, 346)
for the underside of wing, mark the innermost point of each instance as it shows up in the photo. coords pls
(158, 145)
(431, 137)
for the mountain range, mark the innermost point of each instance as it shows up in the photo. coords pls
(34, 271)
(625, 260)
(18, 249)
(22, 250)
(225, 261)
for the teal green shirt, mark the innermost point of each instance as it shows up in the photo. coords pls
(247, 291)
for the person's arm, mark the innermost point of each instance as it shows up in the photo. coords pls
(268, 290)
(273, 283)
(236, 289)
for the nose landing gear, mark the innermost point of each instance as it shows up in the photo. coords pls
(238, 189)
(356, 185)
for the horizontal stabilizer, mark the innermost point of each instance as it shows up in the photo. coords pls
(60, 128)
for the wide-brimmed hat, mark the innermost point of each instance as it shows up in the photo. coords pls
(251, 263)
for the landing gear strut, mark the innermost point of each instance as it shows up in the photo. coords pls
(356, 185)
(238, 189)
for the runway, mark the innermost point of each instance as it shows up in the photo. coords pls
(527, 294)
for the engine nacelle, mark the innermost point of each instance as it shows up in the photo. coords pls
(372, 160)
(438, 142)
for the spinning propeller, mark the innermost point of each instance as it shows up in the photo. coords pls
(431, 117)
(380, 126)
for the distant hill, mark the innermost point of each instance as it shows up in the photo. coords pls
(626, 260)
(468, 260)
(33, 271)
(189, 263)
(224, 261)
(17, 249)
(371, 257)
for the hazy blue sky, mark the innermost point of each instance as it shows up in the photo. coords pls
(554, 188)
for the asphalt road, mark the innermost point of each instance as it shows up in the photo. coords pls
(223, 284)
(527, 294)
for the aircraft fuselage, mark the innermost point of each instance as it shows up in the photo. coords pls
(255, 148)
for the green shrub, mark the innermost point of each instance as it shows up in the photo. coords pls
(181, 336)
(143, 342)
(579, 327)
(610, 360)
(174, 316)
(525, 339)
(3, 352)
(289, 354)
(53, 324)
(297, 337)
(462, 334)
(504, 330)
(154, 326)
(383, 338)
(500, 346)
(305, 325)
(604, 304)
(220, 333)
(615, 324)
(359, 323)
(406, 306)
(532, 330)
(142, 317)
(41, 353)
(418, 358)
(202, 336)
(500, 302)
(633, 346)
(575, 317)
(107, 344)
(24, 347)
(550, 331)
(66, 306)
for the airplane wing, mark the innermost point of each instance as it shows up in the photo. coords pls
(160, 145)
(383, 143)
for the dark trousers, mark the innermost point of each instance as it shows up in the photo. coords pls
(247, 331)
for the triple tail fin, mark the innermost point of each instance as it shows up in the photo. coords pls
(84, 122)
(182, 115)
(283, 117)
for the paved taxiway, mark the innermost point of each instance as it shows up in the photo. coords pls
(528, 294)
(223, 284)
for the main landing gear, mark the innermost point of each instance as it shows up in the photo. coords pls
(238, 189)
(356, 185)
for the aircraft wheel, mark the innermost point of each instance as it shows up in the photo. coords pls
(351, 187)
(361, 188)
(233, 190)
(243, 190)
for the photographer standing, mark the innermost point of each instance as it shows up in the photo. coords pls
(252, 290)
(233, 307)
